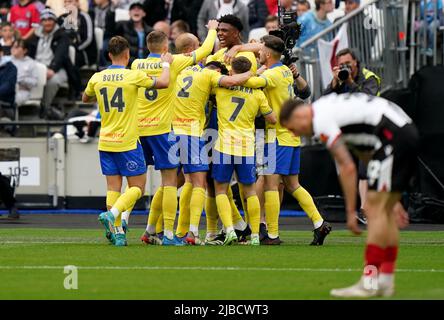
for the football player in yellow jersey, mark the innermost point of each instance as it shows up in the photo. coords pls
(282, 149)
(193, 88)
(154, 121)
(234, 150)
(229, 35)
(121, 155)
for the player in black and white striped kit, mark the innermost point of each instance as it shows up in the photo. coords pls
(380, 133)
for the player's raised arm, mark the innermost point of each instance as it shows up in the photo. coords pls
(164, 80)
(348, 178)
(235, 80)
(231, 54)
(208, 45)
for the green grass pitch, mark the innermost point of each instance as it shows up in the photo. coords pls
(32, 260)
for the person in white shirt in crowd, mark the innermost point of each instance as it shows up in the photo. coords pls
(214, 9)
(59, 7)
(26, 71)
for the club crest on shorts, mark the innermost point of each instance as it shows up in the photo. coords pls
(131, 165)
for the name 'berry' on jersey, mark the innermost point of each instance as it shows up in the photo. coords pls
(116, 91)
(238, 108)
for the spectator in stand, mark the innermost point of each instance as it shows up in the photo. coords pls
(26, 71)
(8, 76)
(214, 9)
(303, 6)
(257, 13)
(178, 27)
(7, 37)
(314, 22)
(165, 10)
(135, 31)
(50, 46)
(272, 6)
(103, 16)
(162, 26)
(25, 17)
(5, 6)
(193, 8)
(59, 7)
(80, 29)
(351, 5)
(430, 22)
(271, 23)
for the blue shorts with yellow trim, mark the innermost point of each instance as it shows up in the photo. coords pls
(282, 160)
(126, 164)
(193, 155)
(160, 151)
(224, 165)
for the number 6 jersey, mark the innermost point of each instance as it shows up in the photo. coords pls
(116, 91)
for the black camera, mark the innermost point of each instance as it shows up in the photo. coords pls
(289, 31)
(344, 72)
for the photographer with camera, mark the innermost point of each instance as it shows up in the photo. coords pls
(349, 77)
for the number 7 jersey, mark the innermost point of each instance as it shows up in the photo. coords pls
(237, 108)
(116, 91)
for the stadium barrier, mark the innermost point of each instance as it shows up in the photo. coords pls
(377, 32)
(57, 171)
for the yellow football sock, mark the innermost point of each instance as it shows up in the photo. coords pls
(254, 213)
(307, 204)
(211, 215)
(111, 198)
(244, 204)
(125, 201)
(159, 224)
(184, 210)
(224, 209)
(235, 214)
(155, 210)
(272, 208)
(169, 210)
(197, 204)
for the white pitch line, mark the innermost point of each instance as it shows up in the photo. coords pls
(210, 269)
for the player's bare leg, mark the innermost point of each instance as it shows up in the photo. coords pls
(197, 203)
(381, 250)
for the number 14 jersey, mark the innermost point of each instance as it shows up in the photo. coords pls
(116, 91)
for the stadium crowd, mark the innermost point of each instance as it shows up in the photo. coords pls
(34, 33)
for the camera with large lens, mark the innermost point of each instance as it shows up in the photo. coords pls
(344, 72)
(289, 31)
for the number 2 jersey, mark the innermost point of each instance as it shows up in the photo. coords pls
(155, 106)
(193, 88)
(116, 91)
